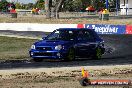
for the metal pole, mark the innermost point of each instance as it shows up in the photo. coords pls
(127, 7)
(117, 7)
(106, 4)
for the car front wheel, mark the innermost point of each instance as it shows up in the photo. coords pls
(70, 55)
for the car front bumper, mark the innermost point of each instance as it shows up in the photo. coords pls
(48, 54)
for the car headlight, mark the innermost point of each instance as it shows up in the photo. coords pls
(58, 47)
(33, 47)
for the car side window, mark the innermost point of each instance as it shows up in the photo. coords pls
(85, 35)
(54, 36)
(88, 36)
(71, 35)
(80, 35)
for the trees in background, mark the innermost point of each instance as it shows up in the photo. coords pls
(18, 6)
(40, 4)
(3, 5)
(76, 5)
(70, 5)
(6, 6)
(54, 6)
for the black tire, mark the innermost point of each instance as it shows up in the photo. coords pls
(85, 82)
(37, 59)
(98, 54)
(71, 55)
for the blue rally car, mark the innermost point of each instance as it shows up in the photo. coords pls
(68, 44)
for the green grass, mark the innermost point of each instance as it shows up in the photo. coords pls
(12, 48)
(64, 21)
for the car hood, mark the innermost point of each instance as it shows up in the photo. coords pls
(51, 42)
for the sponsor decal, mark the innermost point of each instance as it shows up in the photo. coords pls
(107, 29)
(85, 80)
(110, 82)
(80, 25)
(128, 29)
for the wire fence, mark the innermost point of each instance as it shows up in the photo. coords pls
(63, 14)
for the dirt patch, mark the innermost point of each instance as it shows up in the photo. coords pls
(65, 77)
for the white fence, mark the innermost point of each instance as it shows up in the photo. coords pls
(34, 26)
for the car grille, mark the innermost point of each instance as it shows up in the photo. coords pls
(44, 48)
(42, 54)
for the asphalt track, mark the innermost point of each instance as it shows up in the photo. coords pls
(119, 52)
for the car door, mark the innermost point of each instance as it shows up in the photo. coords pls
(84, 39)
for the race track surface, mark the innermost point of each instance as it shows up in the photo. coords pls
(119, 52)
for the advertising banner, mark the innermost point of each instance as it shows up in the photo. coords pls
(80, 25)
(128, 29)
(107, 29)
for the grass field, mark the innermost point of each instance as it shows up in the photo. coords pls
(63, 21)
(14, 48)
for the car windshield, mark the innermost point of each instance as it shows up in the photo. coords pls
(62, 35)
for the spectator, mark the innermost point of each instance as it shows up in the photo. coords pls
(33, 11)
(37, 10)
(12, 10)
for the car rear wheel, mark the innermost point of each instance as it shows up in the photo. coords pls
(98, 54)
(70, 55)
(37, 59)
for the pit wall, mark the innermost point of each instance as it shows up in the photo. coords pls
(99, 28)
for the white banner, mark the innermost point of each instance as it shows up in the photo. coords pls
(34, 26)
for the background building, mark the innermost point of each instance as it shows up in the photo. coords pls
(126, 7)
